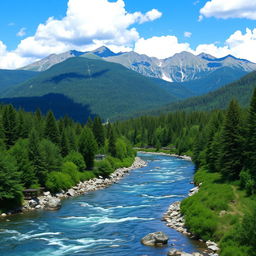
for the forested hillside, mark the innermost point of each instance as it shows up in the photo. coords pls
(222, 144)
(38, 151)
(219, 99)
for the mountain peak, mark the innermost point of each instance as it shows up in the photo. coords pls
(206, 56)
(103, 51)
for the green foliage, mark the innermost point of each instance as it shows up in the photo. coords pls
(98, 131)
(10, 185)
(88, 147)
(104, 168)
(51, 130)
(72, 170)
(57, 181)
(77, 159)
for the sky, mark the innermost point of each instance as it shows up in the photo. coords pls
(33, 29)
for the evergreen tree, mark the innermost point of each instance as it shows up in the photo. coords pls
(231, 152)
(64, 144)
(10, 185)
(35, 157)
(98, 131)
(9, 123)
(51, 130)
(250, 152)
(112, 142)
(88, 147)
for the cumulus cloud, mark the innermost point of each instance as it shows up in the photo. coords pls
(22, 32)
(160, 47)
(87, 24)
(229, 9)
(187, 34)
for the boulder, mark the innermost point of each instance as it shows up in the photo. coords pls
(179, 253)
(155, 239)
(3, 215)
(71, 192)
(53, 203)
(33, 203)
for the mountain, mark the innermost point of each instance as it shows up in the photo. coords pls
(181, 67)
(10, 78)
(54, 59)
(219, 99)
(108, 89)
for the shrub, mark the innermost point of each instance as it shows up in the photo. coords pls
(71, 169)
(87, 175)
(57, 181)
(104, 168)
(77, 159)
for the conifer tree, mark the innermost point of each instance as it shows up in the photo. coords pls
(231, 152)
(64, 144)
(51, 130)
(9, 121)
(98, 131)
(88, 147)
(35, 156)
(112, 142)
(250, 151)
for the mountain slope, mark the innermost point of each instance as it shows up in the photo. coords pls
(109, 89)
(241, 90)
(10, 78)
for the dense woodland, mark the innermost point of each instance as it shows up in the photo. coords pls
(222, 144)
(38, 151)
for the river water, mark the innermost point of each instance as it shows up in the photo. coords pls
(107, 222)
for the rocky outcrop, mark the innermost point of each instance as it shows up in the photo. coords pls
(155, 239)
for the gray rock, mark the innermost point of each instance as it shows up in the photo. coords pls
(71, 192)
(33, 203)
(155, 239)
(3, 215)
(47, 193)
(53, 203)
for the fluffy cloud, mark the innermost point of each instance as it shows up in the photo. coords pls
(87, 24)
(160, 47)
(229, 9)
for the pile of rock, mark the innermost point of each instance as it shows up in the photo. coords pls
(213, 248)
(53, 202)
(174, 218)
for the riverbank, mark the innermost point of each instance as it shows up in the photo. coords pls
(50, 201)
(188, 158)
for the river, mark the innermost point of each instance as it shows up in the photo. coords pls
(107, 222)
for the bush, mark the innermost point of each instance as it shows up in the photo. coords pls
(104, 168)
(57, 181)
(77, 159)
(87, 175)
(71, 169)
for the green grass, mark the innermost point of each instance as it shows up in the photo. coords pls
(216, 212)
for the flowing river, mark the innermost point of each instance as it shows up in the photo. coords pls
(107, 222)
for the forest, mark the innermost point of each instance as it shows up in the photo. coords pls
(39, 151)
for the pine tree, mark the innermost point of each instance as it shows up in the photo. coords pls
(250, 151)
(64, 144)
(9, 121)
(112, 142)
(35, 157)
(88, 147)
(98, 131)
(51, 130)
(231, 152)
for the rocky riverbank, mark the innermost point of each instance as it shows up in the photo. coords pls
(50, 201)
(166, 154)
(175, 220)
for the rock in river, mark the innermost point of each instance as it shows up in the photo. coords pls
(53, 203)
(155, 239)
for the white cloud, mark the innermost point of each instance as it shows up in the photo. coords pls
(187, 34)
(87, 24)
(160, 47)
(22, 32)
(229, 9)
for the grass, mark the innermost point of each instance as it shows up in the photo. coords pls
(217, 211)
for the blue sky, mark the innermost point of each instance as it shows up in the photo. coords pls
(224, 27)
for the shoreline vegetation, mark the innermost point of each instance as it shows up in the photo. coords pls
(51, 201)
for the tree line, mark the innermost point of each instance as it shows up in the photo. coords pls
(40, 151)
